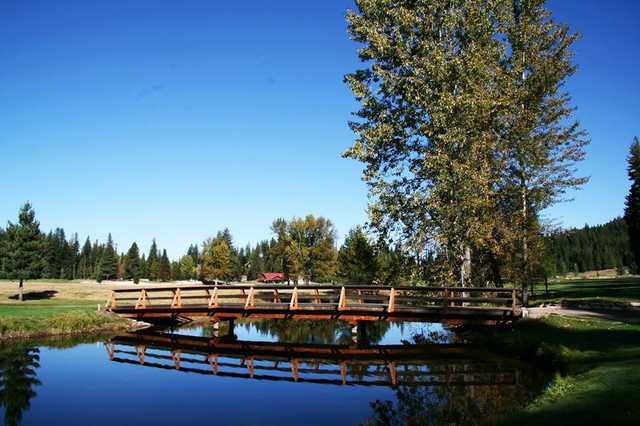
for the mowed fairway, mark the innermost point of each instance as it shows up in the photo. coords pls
(623, 289)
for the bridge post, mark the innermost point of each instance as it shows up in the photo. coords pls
(359, 334)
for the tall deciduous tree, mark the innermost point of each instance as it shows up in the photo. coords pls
(216, 260)
(305, 246)
(541, 139)
(132, 265)
(24, 243)
(463, 130)
(632, 210)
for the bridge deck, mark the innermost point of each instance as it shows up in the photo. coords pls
(352, 303)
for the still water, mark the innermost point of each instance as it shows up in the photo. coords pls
(269, 372)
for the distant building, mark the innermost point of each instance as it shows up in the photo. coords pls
(272, 277)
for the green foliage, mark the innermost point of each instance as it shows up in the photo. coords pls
(591, 248)
(108, 264)
(356, 258)
(632, 210)
(463, 128)
(305, 247)
(187, 267)
(24, 246)
(132, 265)
(154, 262)
(164, 268)
(216, 260)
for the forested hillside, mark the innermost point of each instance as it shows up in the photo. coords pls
(591, 248)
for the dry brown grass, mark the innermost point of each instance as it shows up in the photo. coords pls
(72, 290)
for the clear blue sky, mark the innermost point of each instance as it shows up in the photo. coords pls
(173, 120)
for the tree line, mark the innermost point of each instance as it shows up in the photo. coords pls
(591, 248)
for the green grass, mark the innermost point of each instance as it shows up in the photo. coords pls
(600, 361)
(70, 322)
(623, 289)
(45, 308)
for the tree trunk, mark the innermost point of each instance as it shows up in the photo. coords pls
(546, 285)
(465, 272)
(525, 242)
(20, 287)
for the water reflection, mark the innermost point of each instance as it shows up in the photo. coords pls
(18, 380)
(434, 376)
(401, 374)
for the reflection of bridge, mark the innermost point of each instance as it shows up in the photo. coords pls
(351, 303)
(382, 365)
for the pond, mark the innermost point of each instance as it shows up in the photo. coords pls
(267, 372)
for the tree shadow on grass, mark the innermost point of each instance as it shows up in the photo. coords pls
(628, 288)
(602, 362)
(35, 295)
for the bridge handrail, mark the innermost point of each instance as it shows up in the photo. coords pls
(319, 287)
(293, 299)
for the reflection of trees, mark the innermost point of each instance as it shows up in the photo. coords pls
(468, 405)
(18, 379)
(483, 402)
(309, 331)
(449, 403)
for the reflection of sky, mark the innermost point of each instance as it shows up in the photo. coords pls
(396, 334)
(404, 331)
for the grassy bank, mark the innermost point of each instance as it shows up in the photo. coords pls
(600, 365)
(50, 316)
(67, 323)
(621, 289)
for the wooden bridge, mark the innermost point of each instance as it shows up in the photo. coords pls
(350, 303)
(381, 365)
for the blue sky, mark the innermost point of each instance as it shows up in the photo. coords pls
(167, 121)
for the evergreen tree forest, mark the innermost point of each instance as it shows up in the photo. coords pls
(591, 248)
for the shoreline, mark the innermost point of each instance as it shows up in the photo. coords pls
(69, 324)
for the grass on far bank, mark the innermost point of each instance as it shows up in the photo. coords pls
(600, 360)
(45, 308)
(618, 289)
(53, 308)
(70, 322)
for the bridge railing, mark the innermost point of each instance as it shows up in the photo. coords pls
(317, 297)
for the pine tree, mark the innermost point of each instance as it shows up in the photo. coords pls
(164, 269)
(85, 260)
(632, 210)
(187, 267)
(24, 246)
(108, 264)
(193, 252)
(153, 262)
(144, 266)
(132, 266)
(356, 258)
